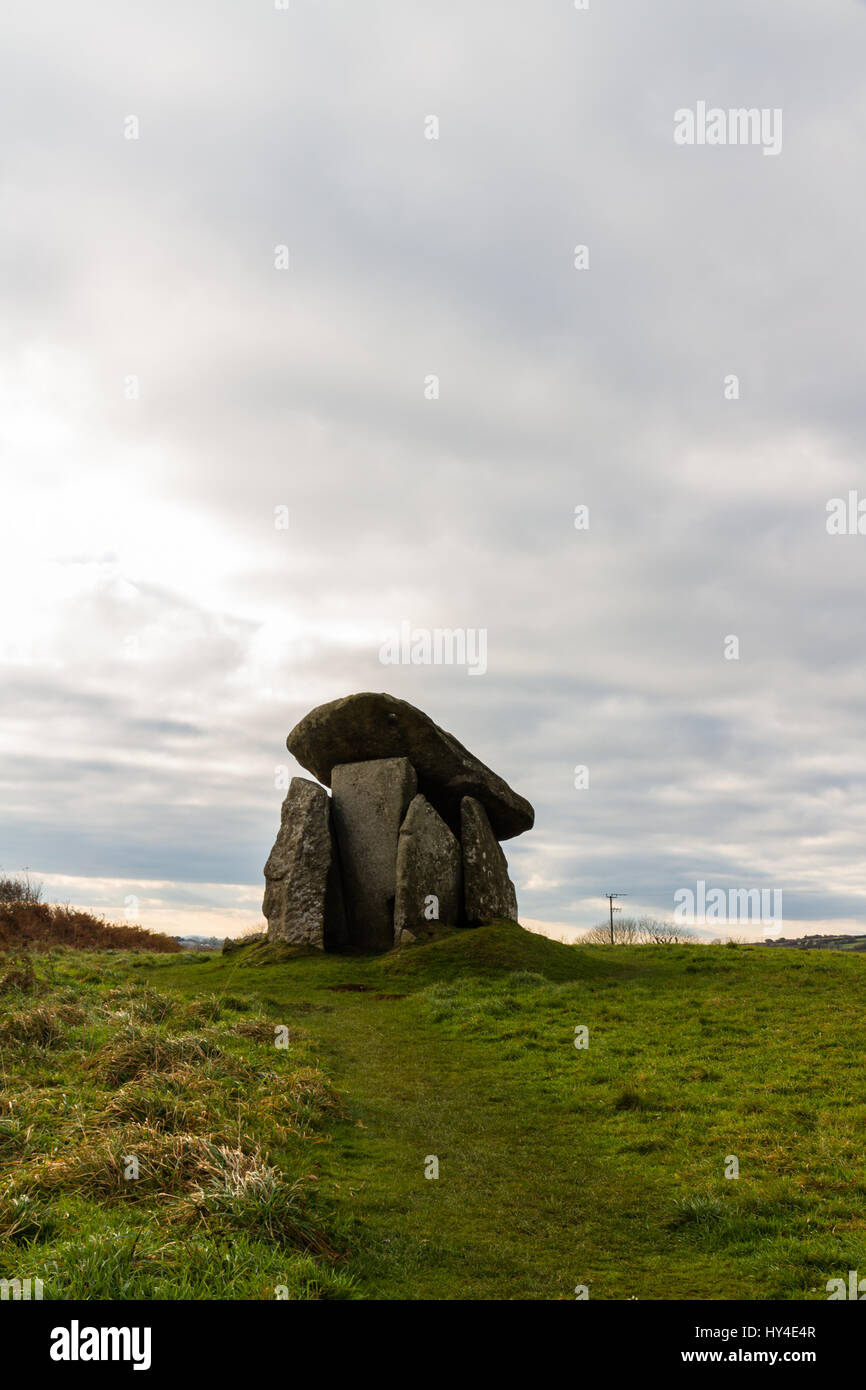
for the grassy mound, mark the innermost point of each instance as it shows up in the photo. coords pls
(497, 949)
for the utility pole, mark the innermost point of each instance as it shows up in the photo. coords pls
(610, 897)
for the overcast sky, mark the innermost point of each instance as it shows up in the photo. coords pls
(161, 635)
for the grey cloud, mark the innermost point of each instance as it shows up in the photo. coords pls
(558, 387)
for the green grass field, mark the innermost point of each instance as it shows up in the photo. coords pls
(303, 1168)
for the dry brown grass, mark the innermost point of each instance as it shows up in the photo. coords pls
(46, 1025)
(39, 926)
(168, 1163)
(149, 1051)
(260, 1028)
(176, 1101)
(19, 974)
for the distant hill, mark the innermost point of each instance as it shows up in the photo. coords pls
(821, 943)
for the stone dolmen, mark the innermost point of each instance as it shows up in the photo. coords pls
(409, 835)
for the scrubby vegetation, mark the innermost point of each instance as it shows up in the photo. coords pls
(19, 889)
(633, 931)
(27, 922)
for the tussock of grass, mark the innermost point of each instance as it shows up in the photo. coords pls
(700, 1210)
(208, 1010)
(21, 1218)
(232, 1187)
(19, 975)
(167, 1163)
(150, 1051)
(175, 1102)
(43, 1025)
(243, 1194)
(299, 1108)
(145, 1005)
(260, 1028)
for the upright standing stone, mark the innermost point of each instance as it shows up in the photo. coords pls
(429, 866)
(488, 891)
(303, 899)
(370, 800)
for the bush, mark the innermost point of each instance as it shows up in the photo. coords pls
(26, 922)
(19, 890)
(630, 931)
